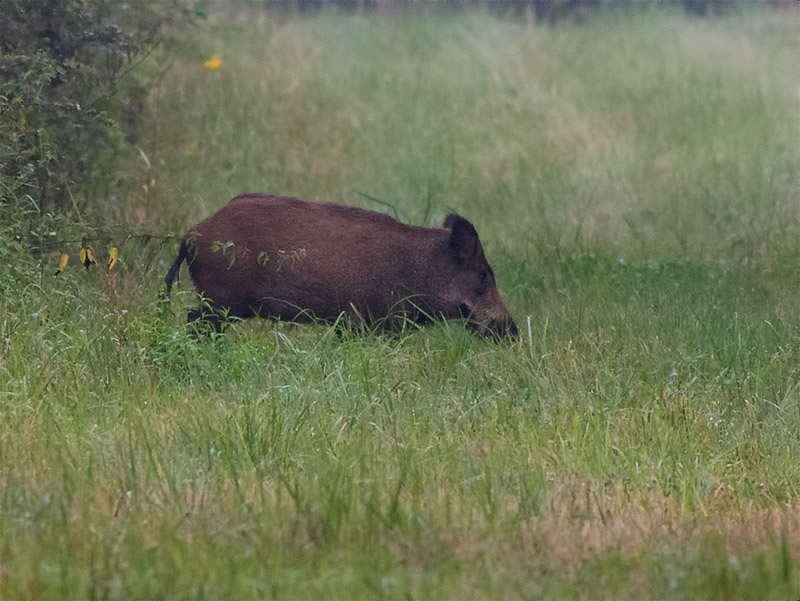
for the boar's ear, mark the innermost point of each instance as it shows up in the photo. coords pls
(464, 240)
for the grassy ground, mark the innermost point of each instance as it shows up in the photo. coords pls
(634, 181)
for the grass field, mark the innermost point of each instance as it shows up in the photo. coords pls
(634, 180)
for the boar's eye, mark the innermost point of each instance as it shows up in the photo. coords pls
(484, 280)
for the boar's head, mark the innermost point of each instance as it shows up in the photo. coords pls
(472, 292)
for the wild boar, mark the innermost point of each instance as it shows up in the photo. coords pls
(288, 259)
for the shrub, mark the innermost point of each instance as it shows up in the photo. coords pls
(70, 97)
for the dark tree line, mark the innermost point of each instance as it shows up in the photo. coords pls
(545, 11)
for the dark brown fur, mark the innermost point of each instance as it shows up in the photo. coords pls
(284, 258)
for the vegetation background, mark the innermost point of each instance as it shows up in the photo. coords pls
(633, 174)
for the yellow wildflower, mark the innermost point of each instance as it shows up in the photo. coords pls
(212, 63)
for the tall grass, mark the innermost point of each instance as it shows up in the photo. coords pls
(634, 181)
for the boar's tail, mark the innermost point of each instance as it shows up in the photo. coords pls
(176, 265)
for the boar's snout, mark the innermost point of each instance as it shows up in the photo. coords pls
(506, 329)
(501, 329)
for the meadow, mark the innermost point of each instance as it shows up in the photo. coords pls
(634, 180)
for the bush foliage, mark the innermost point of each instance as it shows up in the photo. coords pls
(70, 94)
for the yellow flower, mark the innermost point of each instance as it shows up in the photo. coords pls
(212, 63)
